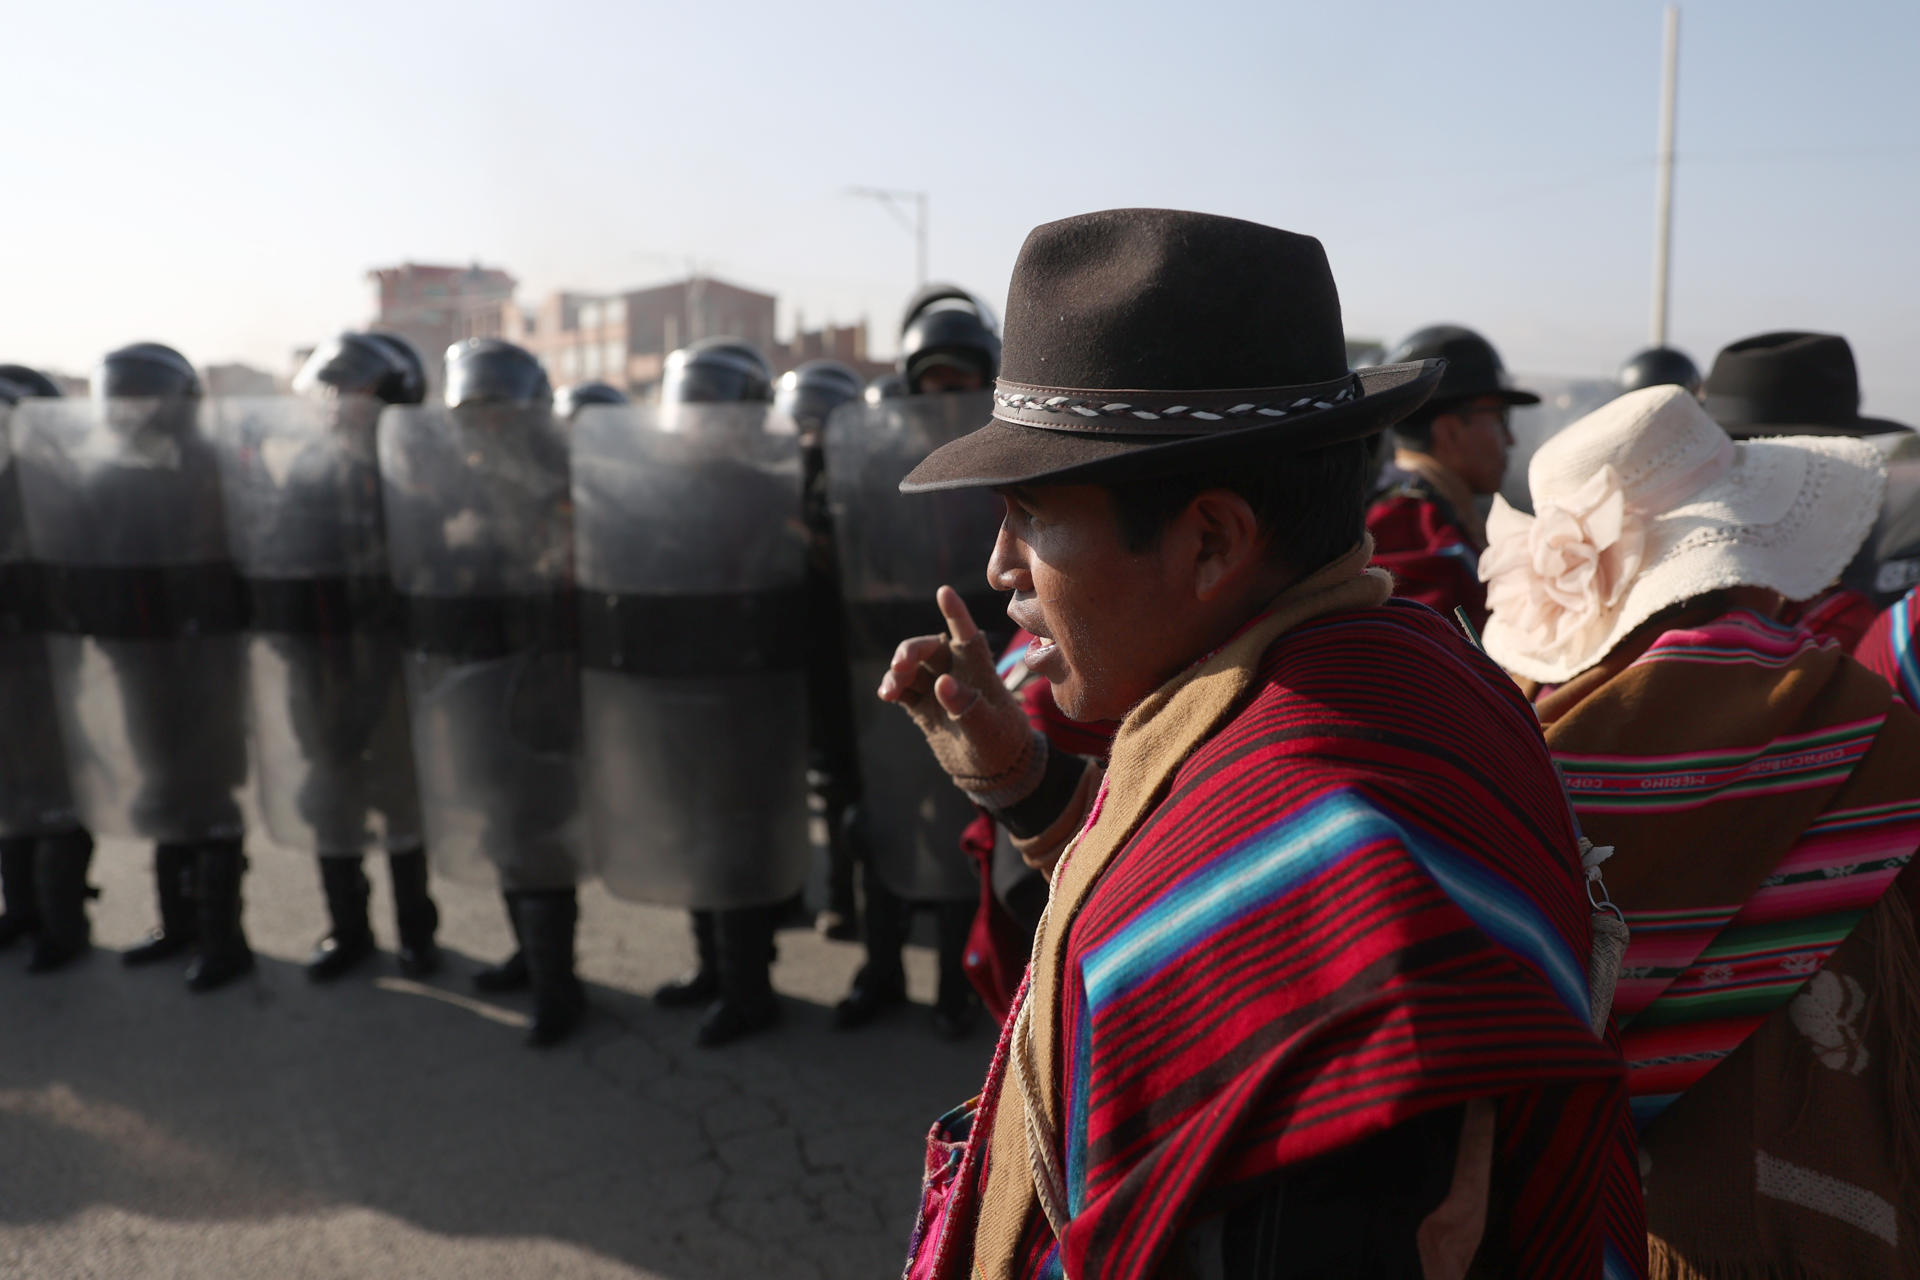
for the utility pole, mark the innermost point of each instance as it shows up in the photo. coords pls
(895, 202)
(1663, 183)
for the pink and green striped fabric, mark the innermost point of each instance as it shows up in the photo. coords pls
(1737, 765)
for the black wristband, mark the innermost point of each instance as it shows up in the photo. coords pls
(1043, 806)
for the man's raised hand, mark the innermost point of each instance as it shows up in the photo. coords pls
(976, 727)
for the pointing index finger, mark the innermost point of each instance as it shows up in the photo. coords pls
(960, 623)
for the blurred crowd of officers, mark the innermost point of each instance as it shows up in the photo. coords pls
(524, 637)
(531, 637)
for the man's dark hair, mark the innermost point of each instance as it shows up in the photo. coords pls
(1312, 506)
(1415, 431)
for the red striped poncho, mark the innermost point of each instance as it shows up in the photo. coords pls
(1357, 902)
(1422, 540)
(1840, 613)
(1891, 647)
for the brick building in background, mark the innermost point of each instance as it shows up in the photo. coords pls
(622, 338)
(434, 307)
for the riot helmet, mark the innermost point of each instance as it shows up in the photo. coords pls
(1660, 367)
(716, 370)
(493, 371)
(409, 355)
(948, 343)
(888, 386)
(370, 364)
(147, 386)
(1473, 366)
(146, 371)
(811, 392)
(928, 295)
(569, 401)
(17, 382)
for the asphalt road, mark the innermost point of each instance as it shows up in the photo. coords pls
(381, 1128)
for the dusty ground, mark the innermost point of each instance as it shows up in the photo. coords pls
(381, 1128)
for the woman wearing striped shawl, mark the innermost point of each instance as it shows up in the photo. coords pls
(1309, 996)
(1760, 790)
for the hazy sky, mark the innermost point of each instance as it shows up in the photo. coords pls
(220, 176)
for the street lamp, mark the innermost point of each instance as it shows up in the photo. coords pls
(895, 202)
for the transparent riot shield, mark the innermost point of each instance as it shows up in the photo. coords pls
(896, 550)
(123, 518)
(478, 544)
(693, 623)
(327, 698)
(34, 796)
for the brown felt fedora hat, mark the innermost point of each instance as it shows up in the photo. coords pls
(1143, 342)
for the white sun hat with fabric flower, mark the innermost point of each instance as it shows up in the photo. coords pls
(1646, 502)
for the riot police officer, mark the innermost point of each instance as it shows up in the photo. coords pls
(948, 342)
(124, 516)
(734, 948)
(44, 851)
(949, 355)
(808, 395)
(334, 761)
(479, 542)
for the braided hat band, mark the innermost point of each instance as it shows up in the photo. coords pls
(1163, 413)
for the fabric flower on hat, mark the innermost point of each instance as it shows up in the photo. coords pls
(1560, 573)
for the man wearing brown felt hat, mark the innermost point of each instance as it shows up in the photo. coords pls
(1795, 383)
(1310, 995)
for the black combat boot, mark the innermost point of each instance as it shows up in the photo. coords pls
(173, 882)
(548, 919)
(350, 940)
(510, 974)
(881, 984)
(224, 953)
(61, 873)
(700, 985)
(414, 913)
(956, 1004)
(19, 902)
(841, 920)
(746, 1003)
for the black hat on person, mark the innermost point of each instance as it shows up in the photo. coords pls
(946, 325)
(365, 364)
(1146, 342)
(18, 382)
(569, 401)
(1790, 383)
(716, 371)
(495, 371)
(1659, 367)
(810, 392)
(409, 358)
(1473, 366)
(146, 370)
(947, 296)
